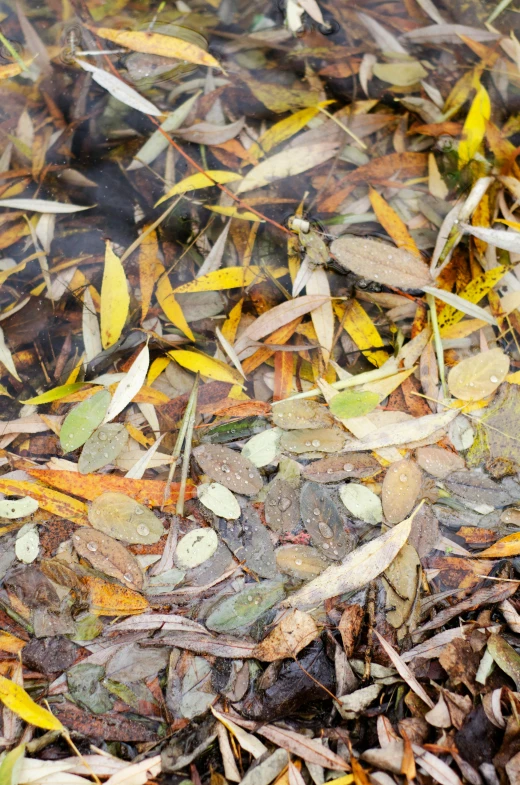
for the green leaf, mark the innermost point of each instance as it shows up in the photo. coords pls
(246, 607)
(56, 393)
(349, 403)
(81, 422)
(11, 766)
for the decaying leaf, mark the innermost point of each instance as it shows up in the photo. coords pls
(109, 556)
(294, 632)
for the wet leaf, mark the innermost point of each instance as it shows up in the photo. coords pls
(299, 415)
(130, 385)
(245, 607)
(425, 531)
(196, 547)
(110, 599)
(336, 468)
(54, 394)
(18, 701)
(410, 431)
(104, 446)
(27, 544)
(84, 683)
(319, 440)
(477, 377)
(381, 262)
(12, 762)
(350, 403)
(506, 546)
(57, 503)
(281, 508)
(402, 74)
(323, 521)
(109, 556)
(115, 300)
(257, 550)
(300, 561)
(80, 422)
(401, 580)
(125, 519)
(229, 468)
(474, 126)
(42, 206)
(361, 502)
(401, 488)
(119, 90)
(219, 499)
(206, 366)
(17, 508)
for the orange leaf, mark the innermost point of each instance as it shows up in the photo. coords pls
(279, 336)
(10, 643)
(90, 486)
(110, 599)
(507, 546)
(52, 501)
(400, 165)
(283, 374)
(148, 253)
(394, 225)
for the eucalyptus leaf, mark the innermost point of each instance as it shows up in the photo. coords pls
(262, 449)
(104, 446)
(361, 502)
(219, 500)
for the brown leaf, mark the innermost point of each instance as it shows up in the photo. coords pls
(109, 556)
(381, 262)
(295, 631)
(350, 626)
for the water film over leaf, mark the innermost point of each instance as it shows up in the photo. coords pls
(121, 517)
(318, 440)
(300, 561)
(322, 520)
(335, 468)
(281, 508)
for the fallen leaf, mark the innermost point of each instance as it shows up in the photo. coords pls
(18, 701)
(115, 300)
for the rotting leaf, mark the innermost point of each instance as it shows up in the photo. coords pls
(322, 520)
(505, 657)
(229, 468)
(295, 631)
(381, 262)
(123, 518)
(109, 556)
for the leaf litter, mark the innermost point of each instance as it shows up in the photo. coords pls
(260, 459)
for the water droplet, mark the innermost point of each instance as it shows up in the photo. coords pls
(325, 530)
(250, 598)
(316, 511)
(92, 546)
(390, 257)
(330, 471)
(325, 546)
(316, 442)
(251, 476)
(127, 577)
(298, 562)
(493, 379)
(403, 478)
(225, 468)
(348, 467)
(307, 444)
(102, 437)
(138, 510)
(143, 530)
(237, 476)
(284, 503)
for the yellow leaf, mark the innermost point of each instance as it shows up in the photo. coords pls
(158, 44)
(228, 278)
(156, 368)
(234, 212)
(284, 129)
(148, 251)
(359, 326)
(13, 69)
(394, 225)
(463, 329)
(53, 501)
(473, 292)
(170, 306)
(230, 326)
(200, 180)
(56, 394)
(115, 300)
(206, 366)
(10, 643)
(513, 378)
(507, 546)
(15, 698)
(110, 599)
(474, 128)
(138, 435)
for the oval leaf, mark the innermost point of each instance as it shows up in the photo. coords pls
(80, 423)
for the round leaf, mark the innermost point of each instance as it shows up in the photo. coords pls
(361, 502)
(125, 519)
(477, 377)
(219, 500)
(196, 547)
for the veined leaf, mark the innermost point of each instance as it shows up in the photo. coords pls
(50, 500)
(199, 180)
(15, 698)
(170, 305)
(80, 423)
(361, 329)
(115, 300)
(473, 293)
